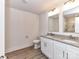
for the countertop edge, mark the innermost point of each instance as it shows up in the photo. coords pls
(60, 41)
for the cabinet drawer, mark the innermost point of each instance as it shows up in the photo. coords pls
(60, 45)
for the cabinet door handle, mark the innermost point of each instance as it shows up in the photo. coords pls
(63, 54)
(67, 56)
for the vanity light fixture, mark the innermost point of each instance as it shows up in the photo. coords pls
(69, 1)
(72, 0)
(25, 1)
(53, 9)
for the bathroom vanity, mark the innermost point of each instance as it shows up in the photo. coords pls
(65, 22)
(59, 48)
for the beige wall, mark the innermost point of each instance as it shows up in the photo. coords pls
(21, 29)
(43, 27)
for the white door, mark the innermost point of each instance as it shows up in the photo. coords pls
(59, 50)
(1, 28)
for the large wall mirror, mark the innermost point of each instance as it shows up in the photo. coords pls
(67, 20)
(71, 18)
(53, 23)
(71, 23)
(53, 20)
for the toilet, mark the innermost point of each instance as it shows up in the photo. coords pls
(36, 44)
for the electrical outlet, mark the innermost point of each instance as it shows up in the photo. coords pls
(26, 36)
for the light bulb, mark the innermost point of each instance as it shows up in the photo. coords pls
(25, 1)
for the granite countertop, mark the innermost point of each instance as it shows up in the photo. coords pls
(63, 40)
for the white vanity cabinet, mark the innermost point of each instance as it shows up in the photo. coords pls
(65, 51)
(57, 50)
(47, 47)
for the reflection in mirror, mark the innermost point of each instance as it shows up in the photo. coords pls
(71, 16)
(53, 23)
(71, 23)
(53, 20)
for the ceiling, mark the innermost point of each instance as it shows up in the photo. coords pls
(35, 6)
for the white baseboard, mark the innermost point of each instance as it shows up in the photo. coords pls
(18, 48)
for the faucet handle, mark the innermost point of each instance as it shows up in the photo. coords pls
(71, 37)
(76, 38)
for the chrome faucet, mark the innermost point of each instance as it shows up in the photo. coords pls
(71, 37)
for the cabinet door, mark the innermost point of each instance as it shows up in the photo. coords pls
(47, 47)
(59, 50)
(50, 48)
(72, 55)
(72, 52)
(43, 45)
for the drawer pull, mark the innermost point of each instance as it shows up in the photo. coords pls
(67, 56)
(63, 54)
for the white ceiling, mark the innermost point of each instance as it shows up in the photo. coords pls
(35, 6)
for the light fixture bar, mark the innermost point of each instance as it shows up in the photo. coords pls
(69, 1)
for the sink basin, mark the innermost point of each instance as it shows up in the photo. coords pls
(70, 41)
